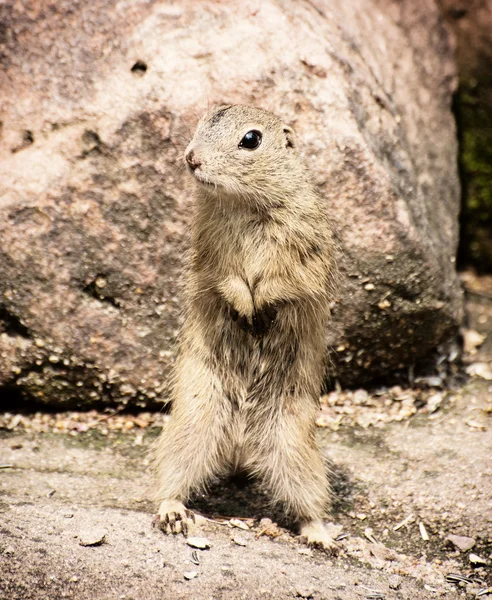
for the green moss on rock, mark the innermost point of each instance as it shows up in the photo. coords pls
(474, 113)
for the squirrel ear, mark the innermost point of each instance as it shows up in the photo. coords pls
(290, 137)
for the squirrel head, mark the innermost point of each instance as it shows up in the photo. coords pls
(245, 152)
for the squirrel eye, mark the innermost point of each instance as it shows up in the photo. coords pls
(251, 140)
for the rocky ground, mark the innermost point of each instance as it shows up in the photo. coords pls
(412, 473)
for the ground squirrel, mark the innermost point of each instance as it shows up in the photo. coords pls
(252, 350)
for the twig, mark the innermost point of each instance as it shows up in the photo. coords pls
(477, 293)
(406, 521)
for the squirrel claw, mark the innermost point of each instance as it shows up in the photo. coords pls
(260, 322)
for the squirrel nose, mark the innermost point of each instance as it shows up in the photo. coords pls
(192, 161)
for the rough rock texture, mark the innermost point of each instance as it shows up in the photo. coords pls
(98, 101)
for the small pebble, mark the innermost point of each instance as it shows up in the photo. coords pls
(395, 582)
(305, 592)
(93, 537)
(239, 540)
(431, 381)
(240, 524)
(190, 575)
(269, 528)
(477, 560)
(461, 542)
(472, 340)
(434, 402)
(197, 542)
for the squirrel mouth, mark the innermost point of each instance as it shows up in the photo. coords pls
(203, 180)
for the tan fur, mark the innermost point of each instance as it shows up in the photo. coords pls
(246, 394)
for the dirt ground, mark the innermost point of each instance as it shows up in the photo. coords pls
(410, 467)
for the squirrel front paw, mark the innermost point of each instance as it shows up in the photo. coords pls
(174, 517)
(263, 320)
(260, 322)
(245, 323)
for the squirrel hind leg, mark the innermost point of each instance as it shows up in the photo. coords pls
(291, 468)
(194, 446)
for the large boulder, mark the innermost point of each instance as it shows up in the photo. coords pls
(98, 101)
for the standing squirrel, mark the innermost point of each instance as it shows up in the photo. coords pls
(252, 354)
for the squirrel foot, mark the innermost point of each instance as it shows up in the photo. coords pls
(174, 517)
(314, 533)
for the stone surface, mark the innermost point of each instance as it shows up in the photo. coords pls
(98, 101)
